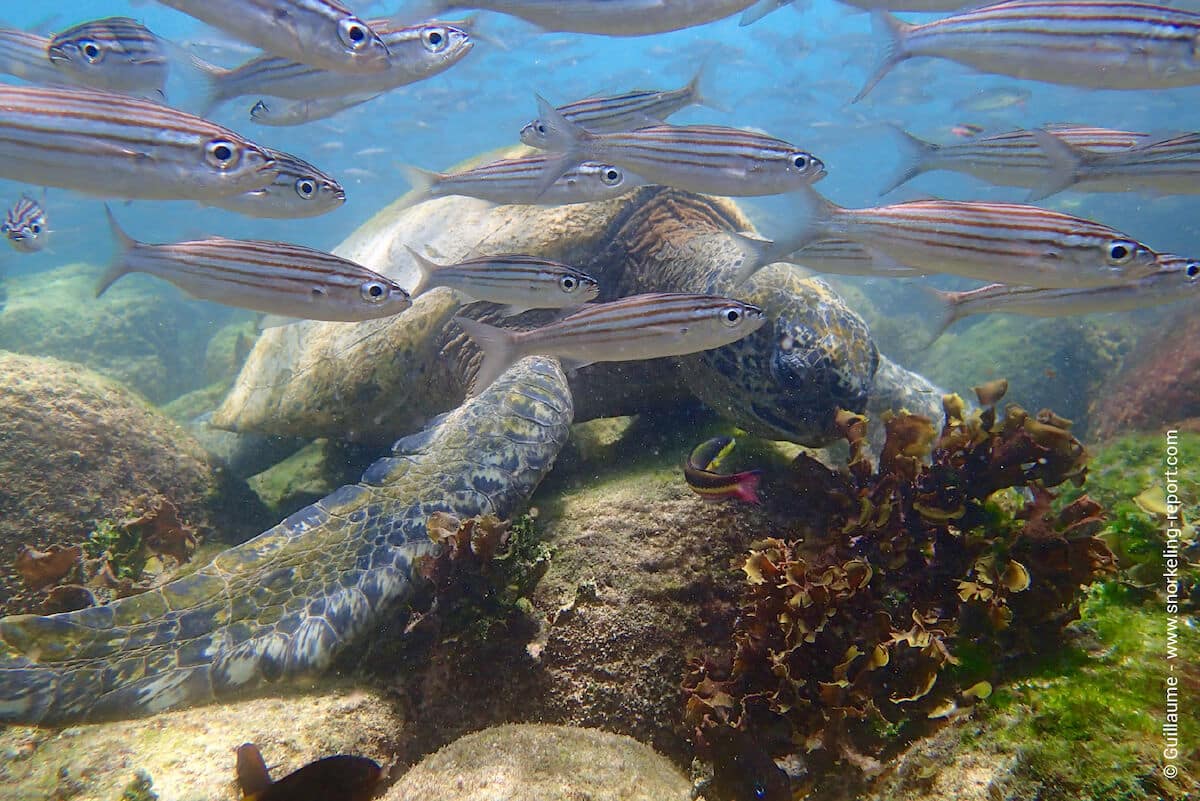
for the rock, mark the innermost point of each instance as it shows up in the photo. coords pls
(142, 332)
(77, 448)
(189, 755)
(533, 762)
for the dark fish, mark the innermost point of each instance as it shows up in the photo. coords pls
(700, 473)
(334, 778)
(743, 770)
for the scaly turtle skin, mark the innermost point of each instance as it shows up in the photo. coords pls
(371, 382)
(284, 603)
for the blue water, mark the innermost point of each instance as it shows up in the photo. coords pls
(792, 75)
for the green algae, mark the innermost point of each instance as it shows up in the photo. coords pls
(121, 545)
(1085, 721)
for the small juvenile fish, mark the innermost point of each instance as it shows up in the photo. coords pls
(323, 33)
(114, 145)
(519, 282)
(1006, 242)
(1169, 166)
(966, 130)
(25, 226)
(519, 181)
(1013, 158)
(700, 473)
(630, 329)
(1102, 44)
(706, 159)
(993, 99)
(115, 54)
(300, 190)
(1177, 279)
(609, 17)
(625, 112)
(333, 778)
(277, 278)
(281, 112)
(417, 52)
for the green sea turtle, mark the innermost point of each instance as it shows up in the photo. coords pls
(287, 601)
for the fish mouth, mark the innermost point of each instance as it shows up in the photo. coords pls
(338, 193)
(57, 54)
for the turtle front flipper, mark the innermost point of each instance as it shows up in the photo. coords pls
(284, 603)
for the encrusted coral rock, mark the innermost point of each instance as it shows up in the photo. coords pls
(531, 762)
(77, 448)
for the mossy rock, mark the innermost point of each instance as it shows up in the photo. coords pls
(142, 332)
(77, 448)
(532, 762)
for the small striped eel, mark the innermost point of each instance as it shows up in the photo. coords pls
(284, 603)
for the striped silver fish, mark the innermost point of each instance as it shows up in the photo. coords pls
(1004, 242)
(708, 159)
(323, 33)
(1168, 166)
(842, 257)
(519, 181)
(1013, 158)
(113, 145)
(23, 55)
(280, 112)
(1105, 44)
(518, 282)
(607, 17)
(280, 279)
(25, 226)
(417, 52)
(624, 112)
(116, 54)
(921, 6)
(1177, 278)
(300, 190)
(632, 328)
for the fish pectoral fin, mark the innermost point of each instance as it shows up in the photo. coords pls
(276, 320)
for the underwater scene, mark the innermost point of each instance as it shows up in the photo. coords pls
(599, 400)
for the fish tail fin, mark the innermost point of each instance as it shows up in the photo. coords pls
(211, 80)
(949, 310)
(421, 183)
(915, 157)
(425, 269)
(118, 266)
(895, 48)
(815, 220)
(1066, 164)
(698, 94)
(499, 348)
(759, 10)
(746, 486)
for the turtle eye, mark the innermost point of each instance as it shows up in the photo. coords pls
(731, 316)
(353, 33)
(305, 188)
(221, 154)
(373, 291)
(1121, 251)
(91, 51)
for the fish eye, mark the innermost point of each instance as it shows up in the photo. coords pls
(1193, 269)
(760, 790)
(352, 33)
(569, 283)
(731, 316)
(611, 176)
(373, 291)
(434, 39)
(800, 161)
(221, 154)
(35, 228)
(1121, 251)
(540, 127)
(305, 188)
(91, 51)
